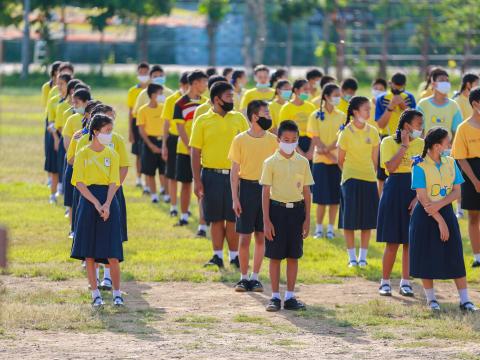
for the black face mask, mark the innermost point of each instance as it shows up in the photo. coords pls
(227, 106)
(264, 123)
(396, 91)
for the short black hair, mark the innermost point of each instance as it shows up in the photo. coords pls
(54, 67)
(297, 84)
(65, 77)
(91, 105)
(219, 88)
(82, 94)
(81, 85)
(261, 68)
(211, 71)
(196, 75)
(97, 122)
(350, 84)
(254, 107)
(214, 79)
(101, 109)
(437, 72)
(399, 79)
(287, 125)
(143, 65)
(326, 80)
(227, 71)
(66, 65)
(380, 81)
(153, 88)
(474, 95)
(156, 68)
(71, 85)
(313, 74)
(184, 78)
(236, 75)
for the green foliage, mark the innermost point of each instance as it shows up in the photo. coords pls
(289, 10)
(215, 10)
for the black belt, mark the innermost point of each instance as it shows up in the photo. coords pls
(158, 138)
(289, 205)
(249, 181)
(218, 171)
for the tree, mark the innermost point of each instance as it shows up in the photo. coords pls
(215, 10)
(288, 11)
(99, 22)
(257, 8)
(26, 39)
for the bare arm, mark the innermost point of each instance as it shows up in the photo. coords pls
(375, 156)
(196, 166)
(66, 142)
(393, 164)
(424, 201)
(146, 140)
(182, 133)
(123, 173)
(341, 158)
(307, 196)
(267, 224)
(234, 182)
(467, 169)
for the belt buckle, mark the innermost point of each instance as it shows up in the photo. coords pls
(289, 205)
(225, 172)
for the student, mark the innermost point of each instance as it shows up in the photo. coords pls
(314, 76)
(170, 140)
(379, 87)
(51, 162)
(388, 108)
(133, 134)
(323, 126)
(239, 81)
(349, 88)
(397, 200)
(466, 150)
(262, 89)
(248, 152)
(98, 235)
(183, 116)
(286, 200)
(439, 110)
(326, 79)
(150, 126)
(278, 75)
(64, 68)
(299, 109)
(435, 241)
(212, 135)
(227, 73)
(469, 82)
(210, 71)
(357, 157)
(283, 93)
(427, 89)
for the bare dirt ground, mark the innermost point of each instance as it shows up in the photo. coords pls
(210, 321)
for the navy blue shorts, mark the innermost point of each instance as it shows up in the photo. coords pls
(217, 199)
(171, 163)
(137, 139)
(251, 218)
(358, 205)
(151, 162)
(51, 162)
(326, 190)
(470, 196)
(183, 169)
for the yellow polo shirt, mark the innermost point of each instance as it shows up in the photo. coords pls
(464, 105)
(142, 99)
(286, 176)
(274, 110)
(132, 95)
(256, 94)
(46, 87)
(117, 144)
(152, 119)
(297, 113)
(202, 109)
(466, 144)
(59, 112)
(96, 168)
(389, 147)
(342, 106)
(168, 109)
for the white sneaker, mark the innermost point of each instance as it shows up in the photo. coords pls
(434, 305)
(460, 214)
(352, 263)
(330, 234)
(362, 263)
(118, 301)
(98, 302)
(53, 199)
(318, 234)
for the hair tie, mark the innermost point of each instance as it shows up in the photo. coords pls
(342, 127)
(320, 115)
(417, 159)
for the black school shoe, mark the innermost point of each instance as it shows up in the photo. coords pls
(293, 304)
(475, 264)
(215, 260)
(256, 286)
(201, 233)
(274, 305)
(173, 213)
(235, 262)
(243, 286)
(181, 222)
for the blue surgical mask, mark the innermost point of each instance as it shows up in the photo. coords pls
(445, 152)
(262, 86)
(286, 94)
(159, 80)
(347, 97)
(79, 110)
(304, 96)
(416, 134)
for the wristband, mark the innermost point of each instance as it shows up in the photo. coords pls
(389, 110)
(405, 146)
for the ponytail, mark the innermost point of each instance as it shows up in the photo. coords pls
(328, 89)
(434, 136)
(354, 104)
(405, 118)
(97, 123)
(467, 79)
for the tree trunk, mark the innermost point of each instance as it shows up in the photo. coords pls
(340, 63)
(326, 38)
(467, 50)
(102, 51)
(144, 42)
(247, 42)
(212, 44)
(425, 46)
(289, 46)
(257, 7)
(382, 71)
(26, 39)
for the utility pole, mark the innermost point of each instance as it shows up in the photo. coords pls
(26, 39)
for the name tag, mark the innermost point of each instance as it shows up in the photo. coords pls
(107, 162)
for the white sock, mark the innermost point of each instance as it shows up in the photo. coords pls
(276, 295)
(463, 293)
(352, 255)
(173, 208)
(404, 282)
(154, 197)
(254, 276)
(202, 227)
(430, 294)
(162, 189)
(106, 273)
(362, 254)
(146, 188)
(477, 257)
(384, 281)
(330, 227)
(219, 253)
(60, 187)
(166, 197)
(95, 294)
(184, 216)
(243, 276)
(319, 228)
(232, 254)
(97, 271)
(139, 181)
(116, 293)
(289, 295)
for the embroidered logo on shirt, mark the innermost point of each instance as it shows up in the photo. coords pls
(107, 162)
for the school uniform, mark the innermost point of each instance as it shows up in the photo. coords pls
(447, 115)
(256, 94)
(464, 106)
(393, 213)
(152, 121)
(72, 125)
(172, 140)
(250, 153)
(51, 158)
(46, 87)
(299, 114)
(326, 173)
(183, 114)
(274, 111)
(237, 99)
(430, 257)
(132, 95)
(213, 134)
(63, 108)
(94, 237)
(286, 178)
(466, 146)
(359, 195)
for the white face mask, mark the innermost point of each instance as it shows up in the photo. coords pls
(161, 98)
(335, 100)
(79, 110)
(361, 120)
(288, 148)
(444, 87)
(104, 139)
(416, 133)
(376, 93)
(143, 78)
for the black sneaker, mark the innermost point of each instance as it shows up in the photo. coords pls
(293, 304)
(173, 213)
(475, 264)
(274, 304)
(256, 286)
(215, 260)
(242, 286)
(235, 262)
(201, 233)
(181, 222)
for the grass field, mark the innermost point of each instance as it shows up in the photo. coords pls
(159, 255)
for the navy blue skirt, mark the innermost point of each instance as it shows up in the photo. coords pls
(51, 162)
(61, 159)
(95, 238)
(358, 205)
(75, 199)
(326, 190)
(123, 212)
(45, 137)
(67, 186)
(430, 257)
(393, 214)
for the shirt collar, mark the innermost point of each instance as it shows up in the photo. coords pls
(279, 156)
(429, 160)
